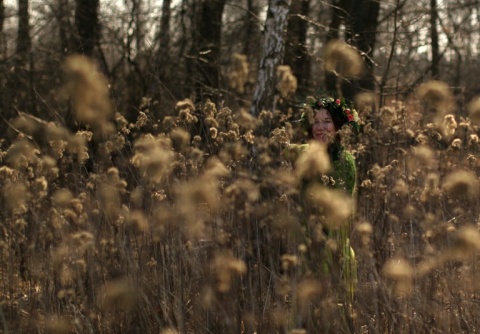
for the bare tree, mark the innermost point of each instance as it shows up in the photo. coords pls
(272, 56)
(164, 33)
(63, 20)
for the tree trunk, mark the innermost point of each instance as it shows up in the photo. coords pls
(272, 56)
(21, 81)
(250, 45)
(162, 57)
(2, 16)
(364, 29)
(86, 22)
(206, 47)
(164, 35)
(24, 42)
(434, 39)
(296, 52)
(63, 21)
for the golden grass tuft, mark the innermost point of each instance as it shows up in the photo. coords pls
(245, 120)
(401, 273)
(180, 139)
(337, 205)
(21, 154)
(365, 230)
(308, 290)
(438, 98)
(118, 295)
(449, 125)
(58, 325)
(238, 72)
(313, 162)
(153, 157)
(461, 184)
(89, 92)
(474, 111)
(226, 267)
(344, 60)
(286, 81)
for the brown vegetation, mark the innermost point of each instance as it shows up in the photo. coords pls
(193, 224)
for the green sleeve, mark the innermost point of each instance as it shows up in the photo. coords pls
(345, 172)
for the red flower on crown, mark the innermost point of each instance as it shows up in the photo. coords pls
(337, 102)
(349, 115)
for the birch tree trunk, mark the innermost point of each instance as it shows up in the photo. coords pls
(272, 56)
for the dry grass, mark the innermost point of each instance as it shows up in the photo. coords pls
(196, 224)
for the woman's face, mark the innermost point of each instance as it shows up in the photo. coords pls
(323, 128)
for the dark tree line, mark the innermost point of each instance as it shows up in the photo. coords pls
(181, 50)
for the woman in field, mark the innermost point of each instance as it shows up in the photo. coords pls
(330, 255)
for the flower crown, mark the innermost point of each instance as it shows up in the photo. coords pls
(340, 107)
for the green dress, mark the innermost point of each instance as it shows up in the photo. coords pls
(344, 173)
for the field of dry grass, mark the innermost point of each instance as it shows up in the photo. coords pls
(194, 224)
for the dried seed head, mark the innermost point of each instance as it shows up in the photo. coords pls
(62, 197)
(461, 184)
(449, 125)
(58, 325)
(245, 120)
(456, 143)
(466, 241)
(153, 157)
(180, 139)
(119, 294)
(308, 290)
(89, 92)
(402, 273)
(423, 155)
(338, 205)
(138, 220)
(169, 331)
(437, 95)
(225, 267)
(400, 188)
(238, 73)
(343, 59)
(364, 100)
(289, 261)
(365, 230)
(16, 196)
(474, 110)
(286, 81)
(22, 154)
(313, 162)
(398, 269)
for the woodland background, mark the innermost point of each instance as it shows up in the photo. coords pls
(143, 188)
